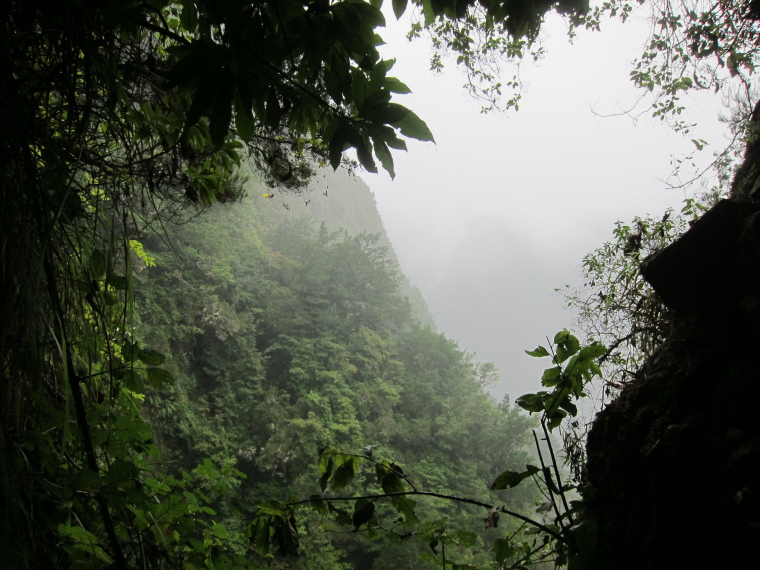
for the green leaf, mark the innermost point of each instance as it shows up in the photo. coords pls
(151, 357)
(344, 474)
(118, 282)
(346, 136)
(384, 155)
(566, 348)
(561, 336)
(571, 408)
(385, 113)
(85, 541)
(202, 101)
(510, 479)
(158, 377)
(531, 402)
(594, 350)
(551, 376)
(273, 507)
(538, 352)
(326, 461)
(220, 531)
(405, 506)
(428, 12)
(98, 264)
(413, 127)
(555, 419)
(399, 7)
(387, 135)
(550, 480)
(286, 537)
(392, 483)
(134, 381)
(318, 505)
(364, 510)
(122, 470)
(260, 535)
(326, 465)
(381, 471)
(502, 549)
(395, 86)
(244, 122)
(130, 350)
(188, 17)
(378, 98)
(364, 154)
(466, 538)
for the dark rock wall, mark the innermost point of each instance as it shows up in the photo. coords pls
(674, 463)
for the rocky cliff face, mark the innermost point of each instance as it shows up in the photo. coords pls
(673, 463)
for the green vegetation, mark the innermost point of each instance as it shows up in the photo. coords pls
(122, 118)
(287, 339)
(565, 534)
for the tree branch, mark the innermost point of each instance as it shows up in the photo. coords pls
(454, 498)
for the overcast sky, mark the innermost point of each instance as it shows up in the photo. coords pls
(502, 209)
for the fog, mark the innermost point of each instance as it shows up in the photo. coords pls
(501, 210)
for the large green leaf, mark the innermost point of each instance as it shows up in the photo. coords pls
(561, 336)
(566, 348)
(86, 539)
(364, 510)
(386, 159)
(531, 402)
(594, 350)
(405, 506)
(386, 113)
(510, 479)
(392, 483)
(395, 86)
(399, 7)
(551, 376)
(503, 550)
(538, 352)
(158, 377)
(98, 263)
(151, 357)
(413, 127)
(344, 474)
(326, 466)
(387, 135)
(260, 535)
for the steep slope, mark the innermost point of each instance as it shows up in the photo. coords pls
(285, 338)
(341, 201)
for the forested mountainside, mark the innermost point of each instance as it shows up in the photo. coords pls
(342, 202)
(285, 337)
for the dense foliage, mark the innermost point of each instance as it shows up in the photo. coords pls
(117, 115)
(287, 339)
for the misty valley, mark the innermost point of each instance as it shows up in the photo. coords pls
(286, 335)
